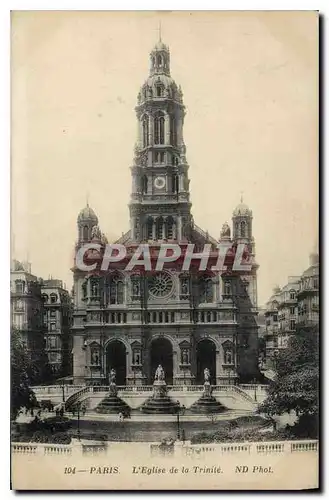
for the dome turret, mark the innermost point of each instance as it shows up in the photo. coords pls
(87, 214)
(242, 209)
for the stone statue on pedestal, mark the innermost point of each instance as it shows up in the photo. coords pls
(113, 387)
(206, 375)
(207, 386)
(159, 373)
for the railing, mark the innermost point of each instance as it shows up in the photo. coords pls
(76, 396)
(257, 448)
(258, 387)
(304, 446)
(55, 389)
(45, 449)
(263, 448)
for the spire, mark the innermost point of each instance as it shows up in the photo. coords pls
(241, 197)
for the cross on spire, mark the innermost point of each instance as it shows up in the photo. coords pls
(159, 30)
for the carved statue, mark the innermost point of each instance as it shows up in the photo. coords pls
(96, 233)
(159, 374)
(226, 231)
(206, 375)
(185, 357)
(112, 376)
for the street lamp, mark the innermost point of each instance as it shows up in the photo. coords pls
(178, 422)
(255, 387)
(78, 408)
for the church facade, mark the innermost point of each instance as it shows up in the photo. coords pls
(185, 321)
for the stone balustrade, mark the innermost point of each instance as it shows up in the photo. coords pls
(249, 448)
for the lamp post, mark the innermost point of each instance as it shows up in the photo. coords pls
(178, 422)
(255, 388)
(78, 408)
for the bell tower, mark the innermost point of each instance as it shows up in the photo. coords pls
(160, 201)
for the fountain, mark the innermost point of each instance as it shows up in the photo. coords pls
(160, 402)
(207, 403)
(112, 403)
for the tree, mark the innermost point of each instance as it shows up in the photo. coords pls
(22, 370)
(296, 385)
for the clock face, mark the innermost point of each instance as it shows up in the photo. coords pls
(159, 182)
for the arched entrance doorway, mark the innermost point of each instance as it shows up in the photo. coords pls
(116, 358)
(206, 358)
(162, 354)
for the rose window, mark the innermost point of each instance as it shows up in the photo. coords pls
(160, 285)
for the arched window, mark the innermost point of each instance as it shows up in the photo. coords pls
(53, 298)
(145, 125)
(206, 290)
(149, 229)
(159, 129)
(175, 183)
(116, 291)
(159, 91)
(144, 184)
(84, 289)
(227, 288)
(243, 229)
(173, 131)
(292, 294)
(159, 60)
(159, 228)
(85, 232)
(94, 287)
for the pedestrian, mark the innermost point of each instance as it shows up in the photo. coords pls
(120, 417)
(61, 411)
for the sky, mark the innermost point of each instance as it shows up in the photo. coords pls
(250, 87)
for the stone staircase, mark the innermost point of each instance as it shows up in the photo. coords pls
(231, 397)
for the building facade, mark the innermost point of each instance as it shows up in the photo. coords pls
(185, 321)
(295, 305)
(308, 295)
(57, 315)
(27, 311)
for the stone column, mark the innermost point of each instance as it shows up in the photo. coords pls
(151, 129)
(164, 229)
(219, 362)
(175, 366)
(179, 228)
(132, 228)
(79, 360)
(181, 182)
(167, 129)
(154, 230)
(174, 230)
